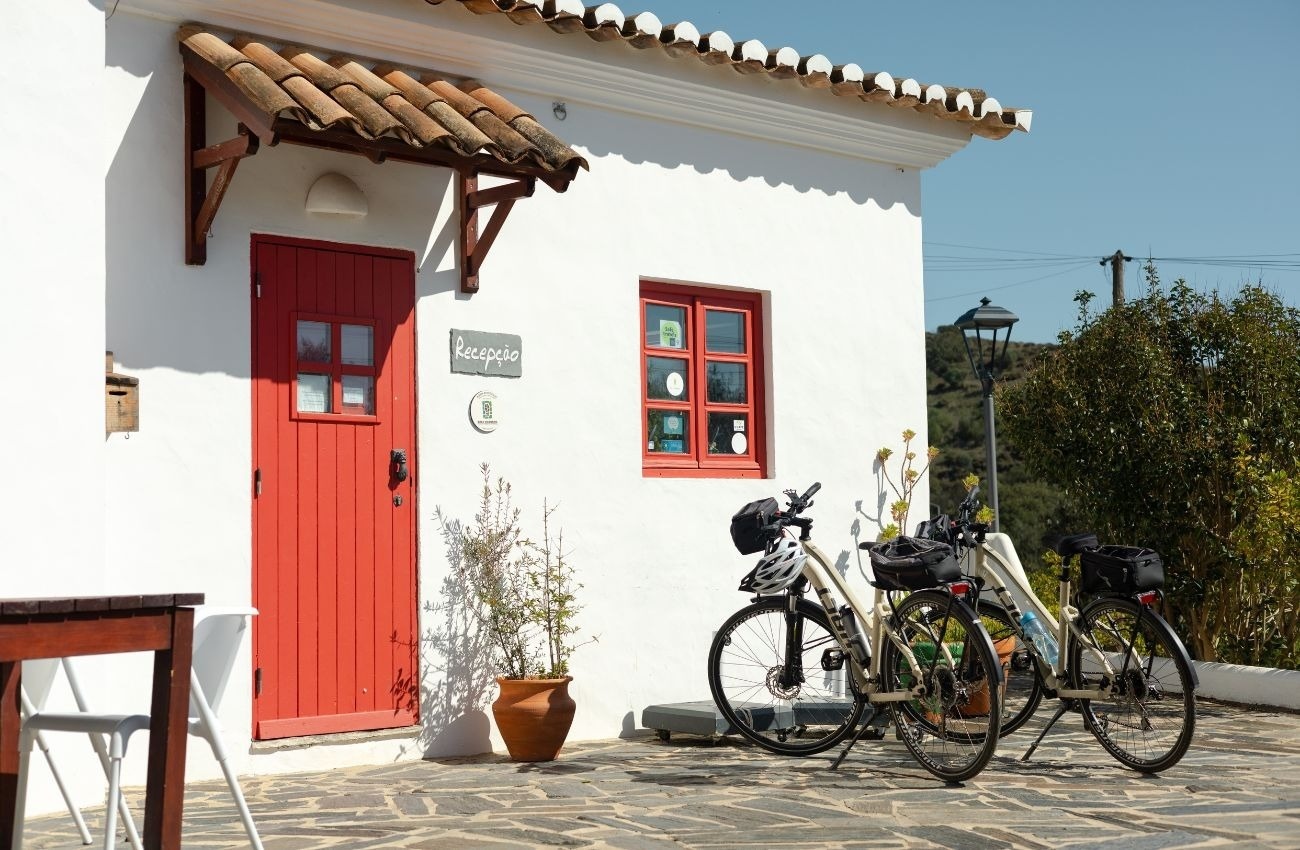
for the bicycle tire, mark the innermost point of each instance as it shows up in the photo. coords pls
(1148, 724)
(1022, 686)
(946, 731)
(745, 661)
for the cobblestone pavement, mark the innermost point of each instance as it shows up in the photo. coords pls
(1237, 787)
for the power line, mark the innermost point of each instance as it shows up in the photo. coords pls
(982, 290)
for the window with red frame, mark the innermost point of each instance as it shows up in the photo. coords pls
(334, 362)
(701, 382)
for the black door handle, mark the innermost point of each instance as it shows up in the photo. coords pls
(397, 457)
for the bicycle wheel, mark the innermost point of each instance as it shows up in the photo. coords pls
(952, 730)
(1022, 690)
(795, 709)
(1147, 723)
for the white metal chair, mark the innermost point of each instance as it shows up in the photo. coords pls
(218, 632)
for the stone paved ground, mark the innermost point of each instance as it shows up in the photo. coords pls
(1238, 787)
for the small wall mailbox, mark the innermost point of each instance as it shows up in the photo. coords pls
(121, 399)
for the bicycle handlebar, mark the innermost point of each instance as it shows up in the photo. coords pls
(796, 505)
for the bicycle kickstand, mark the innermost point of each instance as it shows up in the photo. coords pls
(1065, 706)
(867, 728)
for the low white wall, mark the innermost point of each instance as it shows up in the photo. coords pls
(1239, 683)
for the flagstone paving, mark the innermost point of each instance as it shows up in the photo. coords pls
(1238, 787)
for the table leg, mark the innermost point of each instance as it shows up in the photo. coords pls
(10, 720)
(168, 730)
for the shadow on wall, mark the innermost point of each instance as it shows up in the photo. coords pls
(458, 674)
(670, 145)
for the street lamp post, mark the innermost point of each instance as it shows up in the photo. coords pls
(987, 317)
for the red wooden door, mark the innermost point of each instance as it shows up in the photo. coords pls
(333, 515)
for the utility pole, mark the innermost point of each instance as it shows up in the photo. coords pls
(1116, 261)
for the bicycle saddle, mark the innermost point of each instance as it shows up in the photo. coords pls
(1073, 544)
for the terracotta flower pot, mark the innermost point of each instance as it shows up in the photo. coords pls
(534, 716)
(979, 697)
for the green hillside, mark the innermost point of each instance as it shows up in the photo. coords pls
(1032, 511)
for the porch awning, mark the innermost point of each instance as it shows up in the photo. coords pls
(286, 92)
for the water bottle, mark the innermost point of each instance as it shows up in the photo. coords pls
(1039, 636)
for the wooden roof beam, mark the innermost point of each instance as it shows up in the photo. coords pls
(475, 246)
(202, 201)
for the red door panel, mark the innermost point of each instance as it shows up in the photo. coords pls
(333, 528)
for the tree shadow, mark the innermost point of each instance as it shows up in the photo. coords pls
(458, 675)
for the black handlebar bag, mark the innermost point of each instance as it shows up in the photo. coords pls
(747, 526)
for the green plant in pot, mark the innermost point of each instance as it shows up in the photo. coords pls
(524, 597)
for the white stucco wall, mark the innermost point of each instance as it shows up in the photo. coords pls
(52, 234)
(833, 242)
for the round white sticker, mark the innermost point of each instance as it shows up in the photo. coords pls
(485, 411)
(675, 384)
(739, 443)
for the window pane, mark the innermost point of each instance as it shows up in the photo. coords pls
(665, 327)
(358, 345)
(314, 341)
(313, 393)
(359, 395)
(668, 432)
(728, 433)
(666, 378)
(725, 332)
(727, 383)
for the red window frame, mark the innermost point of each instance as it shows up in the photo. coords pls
(696, 461)
(335, 369)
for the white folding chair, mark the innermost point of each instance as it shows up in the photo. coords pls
(217, 635)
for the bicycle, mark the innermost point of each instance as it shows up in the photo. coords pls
(795, 677)
(1119, 663)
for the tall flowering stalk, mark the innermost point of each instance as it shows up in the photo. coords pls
(908, 477)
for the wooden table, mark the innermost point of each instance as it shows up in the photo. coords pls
(53, 628)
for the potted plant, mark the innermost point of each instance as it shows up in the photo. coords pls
(523, 594)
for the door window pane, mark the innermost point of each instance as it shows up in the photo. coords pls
(668, 432)
(314, 342)
(726, 383)
(665, 327)
(359, 395)
(666, 379)
(724, 332)
(313, 393)
(728, 433)
(358, 345)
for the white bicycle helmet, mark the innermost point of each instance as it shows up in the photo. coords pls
(777, 569)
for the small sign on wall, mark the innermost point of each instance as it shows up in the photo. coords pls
(482, 353)
(485, 411)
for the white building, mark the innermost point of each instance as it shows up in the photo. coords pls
(713, 192)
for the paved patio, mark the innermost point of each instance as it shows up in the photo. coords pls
(1238, 787)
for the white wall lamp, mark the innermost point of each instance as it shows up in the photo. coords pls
(335, 195)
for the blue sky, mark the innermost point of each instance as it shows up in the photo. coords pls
(1165, 129)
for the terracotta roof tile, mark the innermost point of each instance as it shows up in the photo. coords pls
(323, 91)
(984, 115)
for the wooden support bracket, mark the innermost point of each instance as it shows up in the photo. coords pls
(475, 246)
(202, 201)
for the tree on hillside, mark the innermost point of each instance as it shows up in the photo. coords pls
(1173, 421)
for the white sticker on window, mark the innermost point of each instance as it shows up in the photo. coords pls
(675, 384)
(739, 444)
(738, 424)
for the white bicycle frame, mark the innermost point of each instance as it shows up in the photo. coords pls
(1005, 578)
(842, 606)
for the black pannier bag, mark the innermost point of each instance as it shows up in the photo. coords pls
(910, 563)
(1121, 569)
(747, 526)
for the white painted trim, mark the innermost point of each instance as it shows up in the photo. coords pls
(511, 65)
